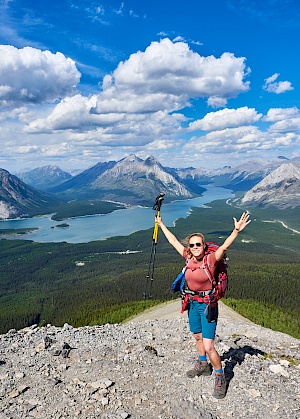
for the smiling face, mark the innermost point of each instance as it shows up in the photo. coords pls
(196, 244)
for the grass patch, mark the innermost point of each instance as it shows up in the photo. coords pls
(267, 315)
(121, 312)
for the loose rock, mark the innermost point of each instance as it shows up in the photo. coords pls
(138, 370)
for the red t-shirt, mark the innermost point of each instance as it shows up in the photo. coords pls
(195, 274)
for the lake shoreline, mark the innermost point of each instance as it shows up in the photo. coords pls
(121, 222)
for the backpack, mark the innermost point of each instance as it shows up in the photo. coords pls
(219, 281)
(179, 282)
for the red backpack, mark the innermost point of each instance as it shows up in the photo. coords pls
(220, 280)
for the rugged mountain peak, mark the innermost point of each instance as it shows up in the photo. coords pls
(131, 158)
(151, 160)
(45, 177)
(4, 174)
(20, 200)
(280, 188)
(285, 171)
(143, 179)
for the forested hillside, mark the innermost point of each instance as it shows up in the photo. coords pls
(104, 281)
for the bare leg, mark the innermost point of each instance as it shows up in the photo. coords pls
(213, 355)
(199, 343)
(206, 346)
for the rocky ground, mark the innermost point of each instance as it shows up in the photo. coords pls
(138, 370)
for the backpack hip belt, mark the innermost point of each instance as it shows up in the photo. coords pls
(200, 294)
(207, 299)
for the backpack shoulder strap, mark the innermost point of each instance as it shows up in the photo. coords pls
(187, 261)
(207, 271)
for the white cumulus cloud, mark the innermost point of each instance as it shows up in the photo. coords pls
(226, 118)
(287, 125)
(272, 86)
(172, 68)
(280, 114)
(216, 102)
(286, 120)
(248, 140)
(142, 94)
(226, 140)
(29, 75)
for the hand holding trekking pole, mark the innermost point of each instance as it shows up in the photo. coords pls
(243, 222)
(158, 219)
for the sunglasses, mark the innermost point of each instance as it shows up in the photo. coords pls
(191, 245)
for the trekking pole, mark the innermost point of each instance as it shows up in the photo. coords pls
(156, 207)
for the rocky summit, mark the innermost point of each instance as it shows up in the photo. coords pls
(138, 370)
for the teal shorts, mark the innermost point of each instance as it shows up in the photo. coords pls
(197, 315)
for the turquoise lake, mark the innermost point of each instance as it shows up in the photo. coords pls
(118, 223)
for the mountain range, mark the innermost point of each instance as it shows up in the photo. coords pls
(130, 180)
(134, 181)
(239, 178)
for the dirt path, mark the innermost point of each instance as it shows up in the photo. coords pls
(171, 310)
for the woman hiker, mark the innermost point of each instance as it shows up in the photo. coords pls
(198, 281)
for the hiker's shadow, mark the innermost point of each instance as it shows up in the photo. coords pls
(236, 356)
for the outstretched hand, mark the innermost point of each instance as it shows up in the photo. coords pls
(158, 220)
(243, 221)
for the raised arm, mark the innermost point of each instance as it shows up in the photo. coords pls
(170, 236)
(238, 227)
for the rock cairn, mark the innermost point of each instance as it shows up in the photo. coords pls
(138, 370)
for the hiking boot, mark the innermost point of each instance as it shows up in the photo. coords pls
(220, 386)
(199, 369)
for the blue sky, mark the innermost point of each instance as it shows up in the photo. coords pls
(203, 83)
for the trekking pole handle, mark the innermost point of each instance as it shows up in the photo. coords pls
(158, 202)
(156, 207)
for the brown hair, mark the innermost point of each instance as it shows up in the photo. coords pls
(187, 241)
